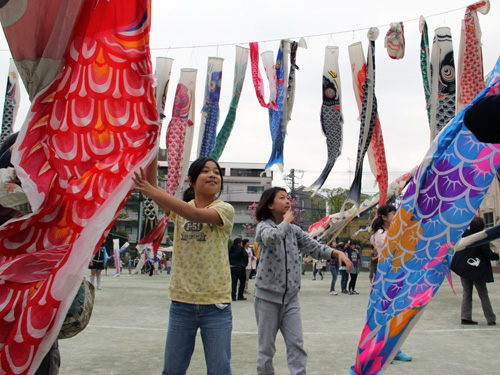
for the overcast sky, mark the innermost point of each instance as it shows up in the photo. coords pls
(399, 89)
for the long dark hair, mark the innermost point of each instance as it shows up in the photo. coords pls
(236, 243)
(476, 225)
(263, 212)
(193, 173)
(378, 223)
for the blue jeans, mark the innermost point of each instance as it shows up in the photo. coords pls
(344, 279)
(334, 270)
(215, 326)
(317, 269)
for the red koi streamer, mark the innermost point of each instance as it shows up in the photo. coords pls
(470, 60)
(87, 131)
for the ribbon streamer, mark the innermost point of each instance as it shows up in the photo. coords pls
(425, 66)
(267, 60)
(240, 68)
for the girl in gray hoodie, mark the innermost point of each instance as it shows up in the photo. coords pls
(277, 283)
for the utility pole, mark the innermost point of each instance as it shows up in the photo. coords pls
(290, 180)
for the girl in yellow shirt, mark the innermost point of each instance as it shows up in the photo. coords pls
(200, 287)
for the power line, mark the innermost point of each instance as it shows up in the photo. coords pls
(303, 36)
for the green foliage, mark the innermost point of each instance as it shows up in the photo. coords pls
(336, 198)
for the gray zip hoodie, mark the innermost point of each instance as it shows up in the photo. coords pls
(278, 274)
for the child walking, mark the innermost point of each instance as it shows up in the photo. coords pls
(278, 279)
(200, 287)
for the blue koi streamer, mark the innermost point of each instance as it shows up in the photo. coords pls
(210, 112)
(438, 206)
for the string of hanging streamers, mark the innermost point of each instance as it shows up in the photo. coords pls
(383, 26)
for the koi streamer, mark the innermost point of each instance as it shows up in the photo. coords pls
(90, 127)
(442, 99)
(376, 150)
(368, 118)
(439, 204)
(470, 56)
(179, 141)
(162, 76)
(331, 114)
(210, 110)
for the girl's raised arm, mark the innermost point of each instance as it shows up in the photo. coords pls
(169, 203)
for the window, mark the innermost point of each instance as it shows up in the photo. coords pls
(238, 172)
(489, 219)
(255, 189)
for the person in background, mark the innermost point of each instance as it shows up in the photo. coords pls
(256, 254)
(169, 266)
(129, 265)
(253, 269)
(96, 266)
(334, 268)
(354, 256)
(344, 275)
(317, 267)
(238, 260)
(248, 270)
(474, 268)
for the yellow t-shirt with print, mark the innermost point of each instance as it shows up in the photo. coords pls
(200, 263)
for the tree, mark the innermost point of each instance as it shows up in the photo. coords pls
(251, 227)
(336, 198)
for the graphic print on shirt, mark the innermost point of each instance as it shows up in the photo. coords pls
(193, 231)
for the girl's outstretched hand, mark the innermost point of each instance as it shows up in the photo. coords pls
(343, 259)
(142, 184)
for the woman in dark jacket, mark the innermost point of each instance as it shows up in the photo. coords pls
(474, 268)
(238, 260)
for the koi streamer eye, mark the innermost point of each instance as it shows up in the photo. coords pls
(448, 73)
(330, 93)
